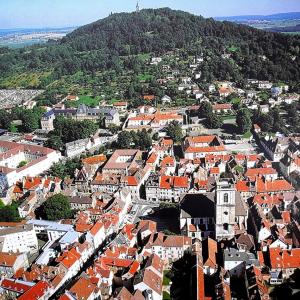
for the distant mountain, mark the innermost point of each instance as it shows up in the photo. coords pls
(280, 16)
(114, 43)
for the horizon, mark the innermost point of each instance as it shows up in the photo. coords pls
(46, 14)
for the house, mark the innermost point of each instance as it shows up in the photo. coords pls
(166, 188)
(222, 108)
(199, 146)
(84, 288)
(122, 161)
(265, 85)
(42, 290)
(37, 160)
(166, 100)
(225, 92)
(82, 113)
(236, 262)
(150, 284)
(82, 202)
(96, 235)
(121, 106)
(11, 262)
(72, 98)
(282, 261)
(168, 165)
(168, 248)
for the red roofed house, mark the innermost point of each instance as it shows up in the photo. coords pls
(40, 291)
(267, 173)
(149, 283)
(84, 289)
(168, 247)
(200, 146)
(166, 188)
(279, 260)
(222, 108)
(11, 262)
(38, 159)
(96, 235)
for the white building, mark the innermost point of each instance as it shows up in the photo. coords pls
(37, 160)
(21, 239)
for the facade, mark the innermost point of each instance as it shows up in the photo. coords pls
(38, 159)
(21, 239)
(10, 263)
(82, 113)
(200, 146)
(166, 188)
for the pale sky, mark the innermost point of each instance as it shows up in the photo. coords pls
(61, 13)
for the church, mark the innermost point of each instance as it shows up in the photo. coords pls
(220, 214)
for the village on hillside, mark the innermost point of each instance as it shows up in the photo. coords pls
(188, 189)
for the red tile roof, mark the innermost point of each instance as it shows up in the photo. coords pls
(36, 292)
(168, 182)
(15, 286)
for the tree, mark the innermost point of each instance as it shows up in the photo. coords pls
(174, 131)
(124, 140)
(205, 110)
(266, 122)
(9, 213)
(243, 120)
(67, 169)
(54, 142)
(55, 208)
(213, 121)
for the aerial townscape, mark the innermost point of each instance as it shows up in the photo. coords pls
(151, 155)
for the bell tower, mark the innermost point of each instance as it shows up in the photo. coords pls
(225, 209)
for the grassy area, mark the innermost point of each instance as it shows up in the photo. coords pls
(236, 101)
(247, 135)
(166, 279)
(233, 49)
(228, 117)
(239, 169)
(87, 100)
(146, 77)
(166, 296)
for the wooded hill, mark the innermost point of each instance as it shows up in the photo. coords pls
(111, 42)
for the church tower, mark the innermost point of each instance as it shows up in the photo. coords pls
(137, 6)
(225, 209)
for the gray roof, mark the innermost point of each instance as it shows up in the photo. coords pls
(233, 254)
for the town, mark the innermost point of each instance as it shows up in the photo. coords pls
(151, 155)
(145, 201)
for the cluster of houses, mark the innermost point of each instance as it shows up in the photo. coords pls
(238, 219)
(238, 212)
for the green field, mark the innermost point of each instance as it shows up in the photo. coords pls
(87, 100)
(145, 77)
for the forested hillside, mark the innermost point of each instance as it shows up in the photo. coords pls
(113, 42)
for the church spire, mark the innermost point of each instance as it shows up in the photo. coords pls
(137, 6)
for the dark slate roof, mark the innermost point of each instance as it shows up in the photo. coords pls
(198, 206)
(81, 200)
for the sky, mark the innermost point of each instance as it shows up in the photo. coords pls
(63, 13)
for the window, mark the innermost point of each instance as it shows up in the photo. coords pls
(225, 213)
(225, 226)
(226, 198)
